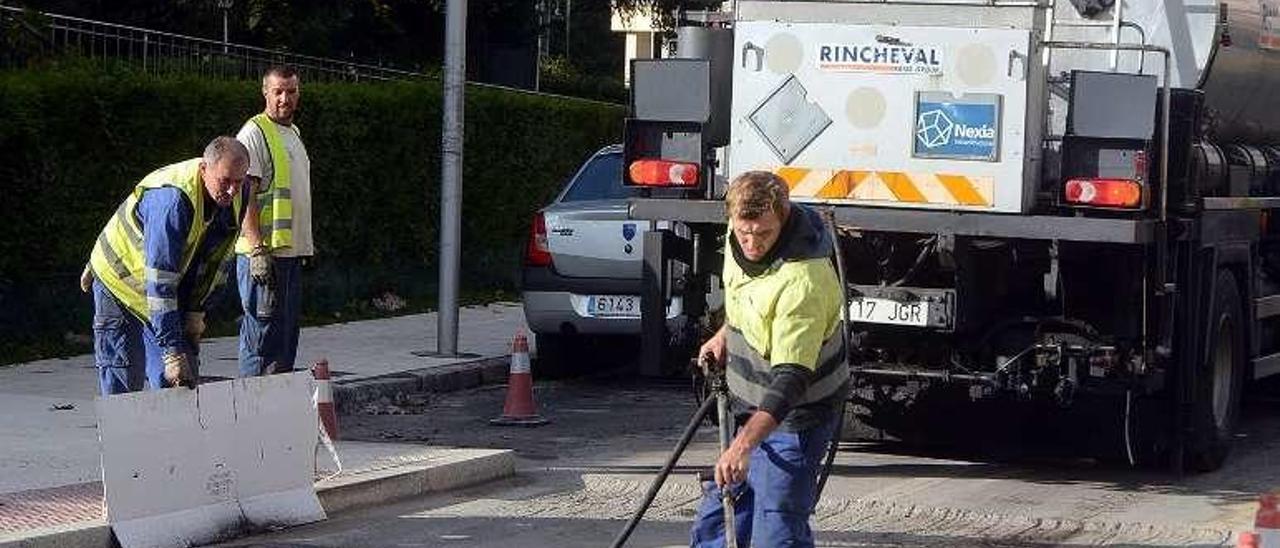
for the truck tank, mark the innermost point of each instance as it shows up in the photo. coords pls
(1230, 49)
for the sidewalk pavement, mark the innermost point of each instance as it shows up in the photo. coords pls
(49, 464)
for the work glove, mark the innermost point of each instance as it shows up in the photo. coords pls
(260, 267)
(177, 369)
(193, 326)
(86, 278)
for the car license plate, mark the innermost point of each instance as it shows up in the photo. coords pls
(613, 306)
(886, 311)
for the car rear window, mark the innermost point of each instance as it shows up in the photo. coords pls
(601, 179)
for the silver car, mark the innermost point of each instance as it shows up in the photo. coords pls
(582, 266)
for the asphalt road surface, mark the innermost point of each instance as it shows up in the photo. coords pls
(580, 477)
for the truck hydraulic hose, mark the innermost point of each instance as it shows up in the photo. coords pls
(834, 446)
(689, 431)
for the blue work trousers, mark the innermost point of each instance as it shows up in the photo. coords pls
(125, 348)
(269, 326)
(772, 507)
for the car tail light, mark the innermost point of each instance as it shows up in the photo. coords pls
(1103, 192)
(538, 253)
(663, 173)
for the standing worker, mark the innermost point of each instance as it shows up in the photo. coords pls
(272, 246)
(155, 264)
(785, 366)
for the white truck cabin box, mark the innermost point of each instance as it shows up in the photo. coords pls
(917, 106)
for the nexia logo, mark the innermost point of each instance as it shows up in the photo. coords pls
(967, 129)
(935, 129)
(962, 131)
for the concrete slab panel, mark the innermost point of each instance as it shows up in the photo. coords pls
(186, 467)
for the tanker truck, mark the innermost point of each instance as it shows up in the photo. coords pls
(1050, 214)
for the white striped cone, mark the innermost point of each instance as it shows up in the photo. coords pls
(1266, 522)
(519, 408)
(1247, 539)
(324, 398)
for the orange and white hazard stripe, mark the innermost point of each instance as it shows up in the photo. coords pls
(889, 186)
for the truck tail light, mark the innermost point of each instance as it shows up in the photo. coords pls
(663, 173)
(1103, 192)
(538, 253)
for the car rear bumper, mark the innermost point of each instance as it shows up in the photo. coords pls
(553, 304)
(546, 279)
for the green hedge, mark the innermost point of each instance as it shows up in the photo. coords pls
(74, 141)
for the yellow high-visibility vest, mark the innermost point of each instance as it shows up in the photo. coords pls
(275, 205)
(118, 255)
(789, 314)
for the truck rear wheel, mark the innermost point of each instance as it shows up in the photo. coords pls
(1221, 377)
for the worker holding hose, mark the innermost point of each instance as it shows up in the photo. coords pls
(785, 366)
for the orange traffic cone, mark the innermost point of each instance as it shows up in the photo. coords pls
(324, 399)
(1266, 524)
(1247, 539)
(519, 409)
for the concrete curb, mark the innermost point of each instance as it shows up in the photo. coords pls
(405, 481)
(455, 469)
(86, 534)
(350, 394)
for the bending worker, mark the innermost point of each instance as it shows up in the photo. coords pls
(155, 264)
(785, 366)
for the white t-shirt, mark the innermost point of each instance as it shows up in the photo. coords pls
(299, 180)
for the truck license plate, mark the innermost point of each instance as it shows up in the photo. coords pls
(613, 306)
(874, 310)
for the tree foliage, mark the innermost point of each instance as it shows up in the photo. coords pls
(405, 33)
(663, 11)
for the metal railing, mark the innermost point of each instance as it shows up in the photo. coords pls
(165, 53)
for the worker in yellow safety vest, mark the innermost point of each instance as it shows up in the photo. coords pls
(155, 264)
(785, 366)
(275, 242)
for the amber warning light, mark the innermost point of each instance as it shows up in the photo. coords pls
(663, 173)
(1103, 192)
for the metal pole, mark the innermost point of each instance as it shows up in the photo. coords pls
(726, 493)
(455, 62)
(568, 19)
(715, 374)
(537, 55)
(225, 6)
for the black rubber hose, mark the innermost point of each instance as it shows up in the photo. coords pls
(685, 438)
(834, 446)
